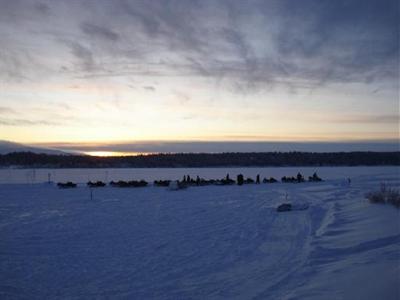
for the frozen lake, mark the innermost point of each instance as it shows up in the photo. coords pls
(212, 242)
(150, 174)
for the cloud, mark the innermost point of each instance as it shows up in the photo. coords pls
(84, 56)
(182, 98)
(26, 122)
(342, 40)
(246, 45)
(42, 8)
(370, 119)
(49, 113)
(6, 110)
(99, 31)
(149, 88)
(13, 64)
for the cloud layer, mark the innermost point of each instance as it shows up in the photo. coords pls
(200, 65)
(247, 42)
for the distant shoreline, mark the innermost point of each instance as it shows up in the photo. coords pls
(21, 160)
(206, 167)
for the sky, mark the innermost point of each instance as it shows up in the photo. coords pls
(100, 73)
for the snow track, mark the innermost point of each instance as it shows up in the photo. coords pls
(201, 243)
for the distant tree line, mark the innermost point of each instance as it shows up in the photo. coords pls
(273, 159)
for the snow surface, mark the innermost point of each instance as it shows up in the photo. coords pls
(214, 242)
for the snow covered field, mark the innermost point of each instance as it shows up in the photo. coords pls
(214, 242)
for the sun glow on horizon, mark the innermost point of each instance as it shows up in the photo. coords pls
(114, 153)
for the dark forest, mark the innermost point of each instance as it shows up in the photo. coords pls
(273, 159)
